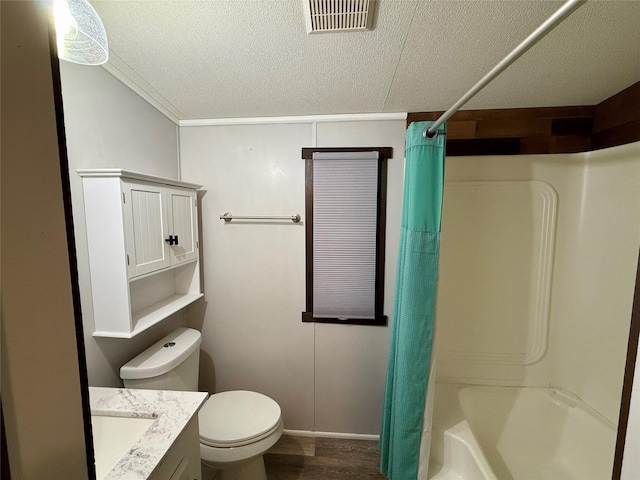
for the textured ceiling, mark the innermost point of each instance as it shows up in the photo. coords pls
(253, 58)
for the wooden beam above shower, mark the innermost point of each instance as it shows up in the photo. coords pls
(516, 131)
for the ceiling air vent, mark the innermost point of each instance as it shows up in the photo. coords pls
(338, 15)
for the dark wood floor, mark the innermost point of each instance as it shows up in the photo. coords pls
(306, 458)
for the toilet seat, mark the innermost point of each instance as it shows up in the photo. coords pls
(237, 418)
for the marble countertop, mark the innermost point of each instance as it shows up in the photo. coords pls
(171, 411)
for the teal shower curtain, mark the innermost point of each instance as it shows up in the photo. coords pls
(415, 301)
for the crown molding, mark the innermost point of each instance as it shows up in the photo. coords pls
(139, 90)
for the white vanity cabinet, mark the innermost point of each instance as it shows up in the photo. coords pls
(142, 235)
(182, 461)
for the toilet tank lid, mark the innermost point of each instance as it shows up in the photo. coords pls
(163, 356)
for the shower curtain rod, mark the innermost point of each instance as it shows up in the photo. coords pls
(553, 21)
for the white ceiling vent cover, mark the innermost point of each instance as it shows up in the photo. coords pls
(338, 15)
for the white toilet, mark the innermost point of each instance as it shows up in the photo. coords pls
(236, 427)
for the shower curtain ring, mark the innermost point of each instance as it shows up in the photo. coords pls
(433, 136)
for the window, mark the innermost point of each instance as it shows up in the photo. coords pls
(345, 227)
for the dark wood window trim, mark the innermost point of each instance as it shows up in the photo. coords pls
(384, 154)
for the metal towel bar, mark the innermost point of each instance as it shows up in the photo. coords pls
(227, 217)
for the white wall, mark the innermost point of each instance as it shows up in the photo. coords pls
(253, 273)
(325, 377)
(596, 235)
(109, 126)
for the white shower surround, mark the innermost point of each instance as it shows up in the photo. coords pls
(492, 433)
(515, 228)
(597, 234)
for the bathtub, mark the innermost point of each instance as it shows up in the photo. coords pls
(510, 433)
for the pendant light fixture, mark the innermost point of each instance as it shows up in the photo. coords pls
(80, 34)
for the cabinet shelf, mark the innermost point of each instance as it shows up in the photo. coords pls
(153, 314)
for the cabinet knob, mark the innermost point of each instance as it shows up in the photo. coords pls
(172, 240)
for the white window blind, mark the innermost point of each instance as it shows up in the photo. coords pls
(345, 193)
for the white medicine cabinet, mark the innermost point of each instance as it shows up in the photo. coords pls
(159, 226)
(142, 235)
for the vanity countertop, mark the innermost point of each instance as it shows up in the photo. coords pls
(171, 411)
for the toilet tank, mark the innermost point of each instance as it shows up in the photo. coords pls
(172, 363)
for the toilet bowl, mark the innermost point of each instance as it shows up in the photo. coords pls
(236, 427)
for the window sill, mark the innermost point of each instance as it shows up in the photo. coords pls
(379, 321)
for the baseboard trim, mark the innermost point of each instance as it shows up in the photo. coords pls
(349, 436)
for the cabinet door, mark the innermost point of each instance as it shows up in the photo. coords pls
(182, 472)
(182, 461)
(145, 213)
(183, 224)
